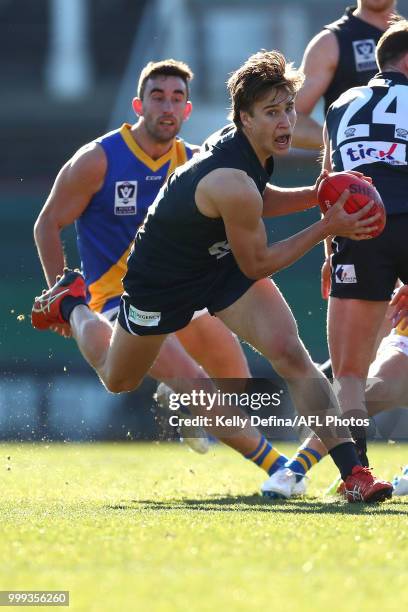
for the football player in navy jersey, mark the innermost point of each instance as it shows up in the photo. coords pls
(203, 244)
(106, 188)
(341, 56)
(367, 129)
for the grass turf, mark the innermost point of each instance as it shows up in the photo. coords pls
(156, 527)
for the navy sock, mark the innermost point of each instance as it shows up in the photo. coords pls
(361, 446)
(345, 457)
(68, 304)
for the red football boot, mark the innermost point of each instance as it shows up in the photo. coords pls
(46, 310)
(362, 486)
(341, 489)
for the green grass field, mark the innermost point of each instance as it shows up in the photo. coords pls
(154, 527)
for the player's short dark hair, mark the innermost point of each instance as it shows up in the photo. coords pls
(393, 44)
(262, 71)
(167, 67)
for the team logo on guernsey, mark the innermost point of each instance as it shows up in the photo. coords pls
(144, 318)
(345, 273)
(368, 152)
(364, 54)
(125, 197)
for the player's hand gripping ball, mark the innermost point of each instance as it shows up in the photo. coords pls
(361, 192)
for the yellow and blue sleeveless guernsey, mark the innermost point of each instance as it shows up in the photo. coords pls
(107, 228)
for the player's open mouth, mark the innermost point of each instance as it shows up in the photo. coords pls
(167, 122)
(283, 141)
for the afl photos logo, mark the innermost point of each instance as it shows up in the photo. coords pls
(125, 197)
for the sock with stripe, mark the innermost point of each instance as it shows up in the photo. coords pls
(304, 459)
(267, 457)
(69, 303)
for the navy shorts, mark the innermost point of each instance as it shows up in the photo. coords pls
(147, 308)
(369, 269)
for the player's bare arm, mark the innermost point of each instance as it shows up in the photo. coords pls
(278, 201)
(78, 180)
(232, 195)
(319, 65)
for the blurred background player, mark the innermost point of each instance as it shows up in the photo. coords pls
(106, 189)
(341, 56)
(176, 244)
(367, 129)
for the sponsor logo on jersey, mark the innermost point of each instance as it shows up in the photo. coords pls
(143, 317)
(368, 152)
(220, 249)
(350, 132)
(364, 54)
(125, 197)
(345, 273)
(401, 133)
(153, 177)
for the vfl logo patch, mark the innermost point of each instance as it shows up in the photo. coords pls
(345, 274)
(125, 197)
(364, 54)
(143, 317)
(368, 152)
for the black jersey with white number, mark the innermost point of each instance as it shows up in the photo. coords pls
(368, 131)
(176, 242)
(357, 40)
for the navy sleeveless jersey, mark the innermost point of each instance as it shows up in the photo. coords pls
(177, 244)
(357, 40)
(368, 131)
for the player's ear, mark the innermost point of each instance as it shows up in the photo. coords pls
(137, 106)
(245, 118)
(188, 110)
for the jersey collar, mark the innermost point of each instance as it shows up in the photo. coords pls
(394, 76)
(153, 164)
(349, 14)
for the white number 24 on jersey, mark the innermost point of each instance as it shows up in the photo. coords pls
(380, 114)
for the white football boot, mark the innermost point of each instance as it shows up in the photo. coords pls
(194, 436)
(400, 483)
(283, 485)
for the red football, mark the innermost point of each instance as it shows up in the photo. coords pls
(331, 188)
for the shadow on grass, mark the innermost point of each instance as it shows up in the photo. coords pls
(256, 503)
